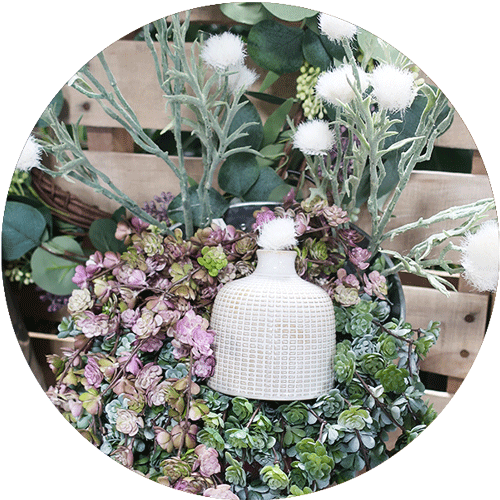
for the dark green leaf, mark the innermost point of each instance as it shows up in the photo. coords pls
(22, 230)
(269, 80)
(57, 105)
(52, 272)
(255, 133)
(406, 128)
(279, 192)
(238, 173)
(119, 214)
(245, 12)
(274, 124)
(268, 180)
(35, 204)
(289, 12)
(314, 51)
(273, 99)
(217, 203)
(102, 236)
(276, 47)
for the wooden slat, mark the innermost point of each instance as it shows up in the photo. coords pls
(463, 325)
(140, 176)
(426, 194)
(133, 67)
(457, 136)
(438, 399)
(478, 166)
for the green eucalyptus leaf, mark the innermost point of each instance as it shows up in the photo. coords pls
(276, 47)
(289, 12)
(315, 52)
(38, 205)
(238, 173)
(52, 272)
(245, 12)
(102, 236)
(23, 229)
(261, 190)
(247, 114)
(217, 203)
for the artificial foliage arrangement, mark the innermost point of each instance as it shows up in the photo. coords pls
(141, 295)
(135, 383)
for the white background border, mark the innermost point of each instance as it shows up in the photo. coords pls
(45, 43)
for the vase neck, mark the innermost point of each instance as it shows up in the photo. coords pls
(276, 263)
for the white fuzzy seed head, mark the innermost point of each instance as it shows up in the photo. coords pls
(314, 137)
(393, 88)
(30, 156)
(278, 234)
(223, 51)
(243, 79)
(336, 29)
(480, 257)
(335, 86)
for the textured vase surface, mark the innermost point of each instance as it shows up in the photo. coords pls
(275, 334)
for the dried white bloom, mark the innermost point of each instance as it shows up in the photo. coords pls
(314, 137)
(335, 86)
(278, 234)
(336, 29)
(480, 257)
(393, 88)
(223, 51)
(243, 79)
(30, 156)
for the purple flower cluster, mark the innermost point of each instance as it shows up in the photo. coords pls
(193, 336)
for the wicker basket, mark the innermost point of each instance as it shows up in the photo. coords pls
(275, 334)
(65, 205)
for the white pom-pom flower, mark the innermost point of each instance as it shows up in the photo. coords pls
(336, 29)
(314, 137)
(335, 86)
(278, 234)
(30, 156)
(393, 88)
(243, 79)
(223, 51)
(480, 256)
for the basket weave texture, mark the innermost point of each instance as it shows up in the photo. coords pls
(275, 334)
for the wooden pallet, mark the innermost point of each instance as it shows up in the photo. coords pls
(464, 316)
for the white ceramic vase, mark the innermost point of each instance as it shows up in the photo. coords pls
(275, 334)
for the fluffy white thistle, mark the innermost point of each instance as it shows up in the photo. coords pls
(336, 29)
(278, 234)
(393, 88)
(30, 156)
(335, 86)
(314, 137)
(243, 79)
(480, 256)
(225, 51)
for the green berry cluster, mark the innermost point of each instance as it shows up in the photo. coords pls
(213, 259)
(19, 275)
(306, 82)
